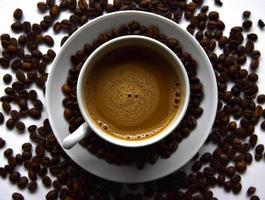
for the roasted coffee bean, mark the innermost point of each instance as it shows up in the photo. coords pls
(27, 29)
(20, 126)
(32, 175)
(251, 190)
(20, 76)
(3, 172)
(32, 95)
(17, 27)
(54, 11)
(4, 62)
(39, 150)
(17, 196)
(6, 107)
(236, 188)
(248, 158)
(247, 24)
(83, 5)
(48, 40)
(23, 104)
(261, 99)
(22, 182)
(7, 78)
(36, 28)
(57, 27)
(259, 149)
(52, 195)
(261, 23)
(37, 104)
(66, 89)
(230, 171)
(32, 186)
(51, 53)
(19, 159)
(263, 125)
(72, 4)
(2, 143)
(18, 14)
(14, 177)
(252, 36)
(246, 14)
(27, 147)
(34, 113)
(218, 2)
(228, 185)
(12, 161)
(10, 123)
(42, 6)
(241, 166)
(253, 76)
(46, 180)
(213, 15)
(43, 171)
(254, 197)
(2, 118)
(254, 64)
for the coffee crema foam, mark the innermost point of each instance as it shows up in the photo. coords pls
(132, 94)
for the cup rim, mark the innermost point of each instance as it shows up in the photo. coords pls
(142, 142)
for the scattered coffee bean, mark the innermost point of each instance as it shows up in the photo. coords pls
(241, 166)
(42, 6)
(218, 2)
(17, 27)
(54, 11)
(2, 118)
(14, 177)
(17, 196)
(46, 180)
(32, 186)
(10, 123)
(22, 182)
(246, 14)
(7, 78)
(18, 14)
(251, 190)
(259, 149)
(6, 107)
(27, 147)
(236, 188)
(66, 89)
(261, 99)
(34, 113)
(254, 197)
(20, 126)
(263, 125)
(261, 23)
(247, 24)
(8, 152)
(2, 143)
(48, 40)
(258, 157)
(52, 195)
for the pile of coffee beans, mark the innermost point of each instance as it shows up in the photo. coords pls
(119, 155)
(233, 134)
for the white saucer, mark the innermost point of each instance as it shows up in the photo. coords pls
(187, 148)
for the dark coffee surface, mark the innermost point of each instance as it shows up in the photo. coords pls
(132, 93)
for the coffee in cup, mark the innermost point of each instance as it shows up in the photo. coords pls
(132, 92)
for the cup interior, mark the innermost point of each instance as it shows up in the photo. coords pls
(144, 42)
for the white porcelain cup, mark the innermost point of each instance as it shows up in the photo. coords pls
(90, 124)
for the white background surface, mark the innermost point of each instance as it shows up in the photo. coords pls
(230, 13)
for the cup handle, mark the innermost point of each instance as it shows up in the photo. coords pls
(76, 136)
